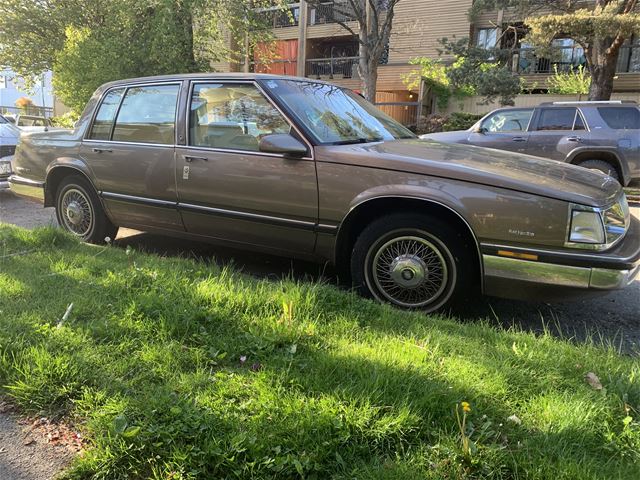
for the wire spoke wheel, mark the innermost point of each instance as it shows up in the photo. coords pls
(409, 271)
(76, 212)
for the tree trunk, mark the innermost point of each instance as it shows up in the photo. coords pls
(368, 71)
(602, 65)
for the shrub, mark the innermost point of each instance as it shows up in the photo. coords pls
(66, 120)
(445, 123)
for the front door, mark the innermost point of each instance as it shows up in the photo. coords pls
(130, 149)
(227, 188)
(504, 130)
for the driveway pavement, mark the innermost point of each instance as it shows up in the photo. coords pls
(614, 317)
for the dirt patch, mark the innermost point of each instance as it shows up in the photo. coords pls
(34, 449)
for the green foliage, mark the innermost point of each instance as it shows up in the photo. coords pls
(185, 370)
(66, 120)
(460, 121)
(89, 42)
(573, 82)
(474, 71)
(445, 123)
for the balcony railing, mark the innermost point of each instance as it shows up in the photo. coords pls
(330, 68)
(277, 18)
(331, 12)
(567, 59)
(629, 59)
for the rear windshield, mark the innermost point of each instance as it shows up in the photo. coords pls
(621, 118)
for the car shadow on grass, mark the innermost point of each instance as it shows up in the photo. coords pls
(607, 320)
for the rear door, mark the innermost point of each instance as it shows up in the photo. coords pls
(130, 148)
(230, 190)
(556, 132)
(504, 130)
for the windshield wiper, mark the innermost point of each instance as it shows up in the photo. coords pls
(357, 140)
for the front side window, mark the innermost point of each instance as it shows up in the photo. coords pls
(334, 115)
(559, 119)
(621, 118)
(508, 121)
(232, 116)
(147, 115)
(103, 123)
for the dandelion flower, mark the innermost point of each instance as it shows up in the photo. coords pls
(465, 406)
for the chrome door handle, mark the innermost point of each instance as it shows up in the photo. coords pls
(574, 139)
(518, 139)
(101, 150)
(189, 159)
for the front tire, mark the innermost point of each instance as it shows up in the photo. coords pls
(413, 261)
(80, 212)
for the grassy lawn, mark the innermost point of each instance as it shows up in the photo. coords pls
(177, 369)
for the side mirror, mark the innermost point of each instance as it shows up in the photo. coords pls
(282, 143)
(479, 129)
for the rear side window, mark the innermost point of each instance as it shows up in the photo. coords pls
(560, 119)
(147, 115)
(102, 124)
(621, 118)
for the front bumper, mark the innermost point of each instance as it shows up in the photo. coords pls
(560, 275)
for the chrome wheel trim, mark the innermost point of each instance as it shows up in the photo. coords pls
(76, 212)
(411, 272)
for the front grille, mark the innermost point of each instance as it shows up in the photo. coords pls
(6, 150)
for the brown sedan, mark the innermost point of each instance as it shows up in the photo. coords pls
(307, 169)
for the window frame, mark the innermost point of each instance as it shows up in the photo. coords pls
(495, 112)
(573, 123)
(294, 128)
(127, 87)
(483, 45)
(630, 107)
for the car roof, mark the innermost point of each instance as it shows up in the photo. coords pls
(208, 76)
(591, 103)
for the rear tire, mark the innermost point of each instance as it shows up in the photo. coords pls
(414, 261)
(79, 211)
(602, 166)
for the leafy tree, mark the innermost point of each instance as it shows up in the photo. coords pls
(374, 19)
(474, 71)
(600, 27)
(89, 42)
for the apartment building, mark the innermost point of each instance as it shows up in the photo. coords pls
(310, 43)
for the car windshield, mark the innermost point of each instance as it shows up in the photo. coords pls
(334, 115)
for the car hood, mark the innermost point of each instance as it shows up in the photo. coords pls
(457, 136)
(497, 168)
(9, 134)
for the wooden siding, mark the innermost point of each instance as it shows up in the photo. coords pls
(419, 24)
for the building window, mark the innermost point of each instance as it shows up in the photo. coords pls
(487, 38)
(629, 57)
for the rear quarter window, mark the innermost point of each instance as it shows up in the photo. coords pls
(617, 118)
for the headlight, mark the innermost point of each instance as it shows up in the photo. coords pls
(598, 229)
(586, 227)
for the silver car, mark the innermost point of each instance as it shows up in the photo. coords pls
(603, 136)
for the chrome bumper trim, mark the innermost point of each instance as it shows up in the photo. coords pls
(555, 274)
(26, 188)
(4, 184)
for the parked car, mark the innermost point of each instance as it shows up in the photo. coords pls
(32, 121)
(9, 136)
(307, 169)
(603, 136)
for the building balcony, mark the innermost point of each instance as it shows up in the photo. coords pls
(335, 68)
(331, 12)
